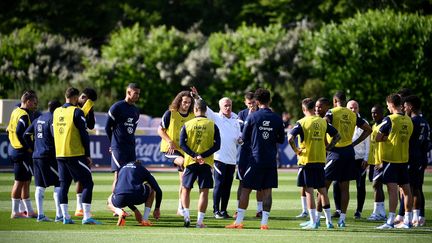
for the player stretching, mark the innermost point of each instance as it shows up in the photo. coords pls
(135, 185)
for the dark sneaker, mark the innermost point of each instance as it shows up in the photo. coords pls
(225, 215)
(259, 214)
(357, 215)
(336, 214)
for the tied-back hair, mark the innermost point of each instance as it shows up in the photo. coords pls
(175, 104)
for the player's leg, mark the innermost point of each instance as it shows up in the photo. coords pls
(325, 201)
(304, 212)
(65, 182)
(344, 188)
(38, 169)
(259, 199)
(205, 182)
(79, 208)
(82, 173)
(178, 161)
(189, 177)
(267, 203)
(226, 192)
(337, 199)
(361, 189)
(219, 174)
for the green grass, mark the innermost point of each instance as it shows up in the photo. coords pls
(283, 225)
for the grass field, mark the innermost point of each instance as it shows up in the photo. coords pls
(283, 225)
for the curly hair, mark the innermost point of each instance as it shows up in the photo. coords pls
(175, 104)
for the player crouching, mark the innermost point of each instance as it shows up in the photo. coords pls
(130, 190)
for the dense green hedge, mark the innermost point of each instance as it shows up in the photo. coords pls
(374, 54)
(368, 56)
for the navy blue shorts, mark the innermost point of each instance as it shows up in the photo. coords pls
(371, 172)
(395, 173)
(46, 172)
(416, 174)
(340, 164)
(23, 167)
(130, 200)
(120, 158)
(377, 174)
(311, 175)
(75, 168)
(244, 158)
(202, 172)
(258, 178)
(174, 156)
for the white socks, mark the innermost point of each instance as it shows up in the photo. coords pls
(327, 215)
(408, 218)
(304, 204)
(240, 215)
(21, 206)
(79, 201)
(259, 206)
(391, 218)
(313, 216)
(342, 217)
(180, 206)
(265, 216)
(200, 217)
(15, 205)
(64, 209)
(86, 210)
(39, 197)
(146, 213)
(28, 205)
(416, 215)
(57, 202)
(186, 213)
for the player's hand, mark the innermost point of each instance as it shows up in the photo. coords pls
(378, 166)
(172, 147)
(89, 162)
(156, 213)
(240, 141)
(299, 151)
(194, 92)
(364, 164)
(110, 150)
(200, 160)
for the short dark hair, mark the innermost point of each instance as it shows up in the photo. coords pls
(249, 95)
(133, 86)
(324, 101)
(53, 104)
(378, 108)
(394, 99)
(414, 101)
(28, 95)
(340, 96)
(71, 92)
(308, 103)
(201, 105)
(404, 92)
(262, 96)
(90, 93)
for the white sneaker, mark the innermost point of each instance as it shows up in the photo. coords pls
(403, 226)
(303, 214)
(376, 217)
(180, 212)
(385, 226)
